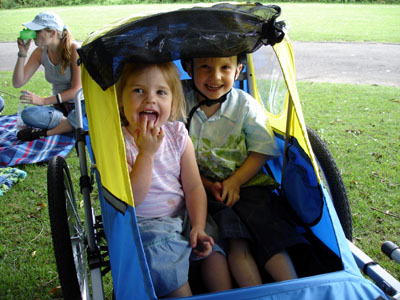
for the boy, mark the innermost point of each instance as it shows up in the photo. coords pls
(232, 141)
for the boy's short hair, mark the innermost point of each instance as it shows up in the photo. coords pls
(241, 59)
(171, 75)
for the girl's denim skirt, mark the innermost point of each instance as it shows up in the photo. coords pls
(167, 252)
(167, 249)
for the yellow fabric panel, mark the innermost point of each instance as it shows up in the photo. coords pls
(106, 138)
(277, 122)
(284, 53)
(297, 128)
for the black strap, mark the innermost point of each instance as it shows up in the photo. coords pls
(206, 102)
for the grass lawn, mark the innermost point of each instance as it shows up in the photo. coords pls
(308, 21)
(358, 123)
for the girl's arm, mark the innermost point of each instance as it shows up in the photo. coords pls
(140, 176)
(196, 199)
(148, 139)
(65, 95)
(231, 186)
(22, 73)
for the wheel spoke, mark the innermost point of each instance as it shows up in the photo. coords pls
(69, 237)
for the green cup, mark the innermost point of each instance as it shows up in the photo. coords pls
(27, 34)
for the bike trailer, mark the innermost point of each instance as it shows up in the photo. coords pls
(308, 177)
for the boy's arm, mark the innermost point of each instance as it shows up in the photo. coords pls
(195, 198)
(231, 186)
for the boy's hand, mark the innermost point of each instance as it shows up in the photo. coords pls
(148, 137)
(216, 190)
(230, 191)
(201, 242)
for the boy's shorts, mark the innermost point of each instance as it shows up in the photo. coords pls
(229, 224)
(266, 217)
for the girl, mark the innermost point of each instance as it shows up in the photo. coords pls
(56, 51)
(164, 175)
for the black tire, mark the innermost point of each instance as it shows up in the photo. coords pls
(67, 232)
(331, 176)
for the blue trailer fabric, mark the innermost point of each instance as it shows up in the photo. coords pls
(333, 286)
(300, 187)
(131, 277)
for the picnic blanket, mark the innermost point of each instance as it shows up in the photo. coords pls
(15, 152)
(8, 177)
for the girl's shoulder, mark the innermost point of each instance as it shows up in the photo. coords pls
(75, 45)
(38, 50)
(37, 54)
(175, 128)
(176, 135)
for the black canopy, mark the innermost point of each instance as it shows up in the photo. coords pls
(218, 31)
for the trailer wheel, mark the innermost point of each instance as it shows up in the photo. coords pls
(333, 179)
(67, 231)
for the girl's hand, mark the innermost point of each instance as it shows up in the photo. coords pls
(201, 242)
(22, 47)
(230, 191)
(28, 97)
(148, 137)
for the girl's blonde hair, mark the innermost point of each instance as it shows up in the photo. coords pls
(66, 41)
(171, 75)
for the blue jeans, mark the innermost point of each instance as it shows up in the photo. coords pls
(47, 117)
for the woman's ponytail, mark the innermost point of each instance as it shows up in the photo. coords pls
(66, 44)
